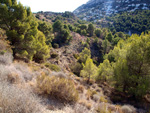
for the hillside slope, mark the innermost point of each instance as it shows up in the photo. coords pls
(23, 94)
(97, 9)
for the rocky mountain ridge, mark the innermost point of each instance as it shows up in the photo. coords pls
(95, 10)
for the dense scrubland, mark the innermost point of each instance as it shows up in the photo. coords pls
(60, 64)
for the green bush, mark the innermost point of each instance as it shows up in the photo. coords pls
(56, 45)
(76, 68)
(54, 55)
(76, 56)
(58, 87)
(53, 67)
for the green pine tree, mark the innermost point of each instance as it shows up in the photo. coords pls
(90, 29)
(89, 70)
(21, 29)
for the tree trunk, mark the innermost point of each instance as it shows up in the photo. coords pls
(88, 81)
(14, 53)
(124, 88)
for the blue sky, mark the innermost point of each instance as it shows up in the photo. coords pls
(53, 5)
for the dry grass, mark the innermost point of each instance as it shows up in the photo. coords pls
(58, 87)
(103, 99)
(102, 108)
(24, 71)
(13, 78)
(128, 109)
(15, 73)
(52, 67)
(91, 82)
(89, 105)
(77, 78)
(12, 98)
(85, 103)
(80, 88)
(98, 89)
(16, 100)
(59, 74)
(81, 109)
(4, 45)
(96, 97)
(34, 67)
(114, 108)
(3, 73)
(90, 93)
(77, 108)
(5, 50)
(6, 58)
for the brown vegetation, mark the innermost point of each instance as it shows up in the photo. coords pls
(60, 88)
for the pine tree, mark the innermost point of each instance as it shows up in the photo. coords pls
(106, 46)
(21, 29)
(84, 55)
(47, 29)
(132, 64)
(62, 31)
(98, 32)
(57, 26)
(109, 37)
(90, 29)
(89, 69)
(105, 71)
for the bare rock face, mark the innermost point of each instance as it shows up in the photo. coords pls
(95, 10)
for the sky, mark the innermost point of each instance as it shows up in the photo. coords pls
(53, 5)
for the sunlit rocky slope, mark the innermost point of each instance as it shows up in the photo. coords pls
(95, 10)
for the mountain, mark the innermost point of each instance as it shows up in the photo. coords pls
(97, 9)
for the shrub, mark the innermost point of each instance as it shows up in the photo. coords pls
(59, 74)
(6, 59)
(2, 52)
(96, 98)
(61, 88)
(128, 109)
(89, 105)
(3, 73)
(90, 93)
(76, 68)
(76, 56)
(4, 45)
(56, 45)
(102, 99)
(54, 55)
(80, 88)
(85, 103)
(78, 108)
(81, 109)
(13, 78)
(53, 67)
(102, 108)
(15, 73)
